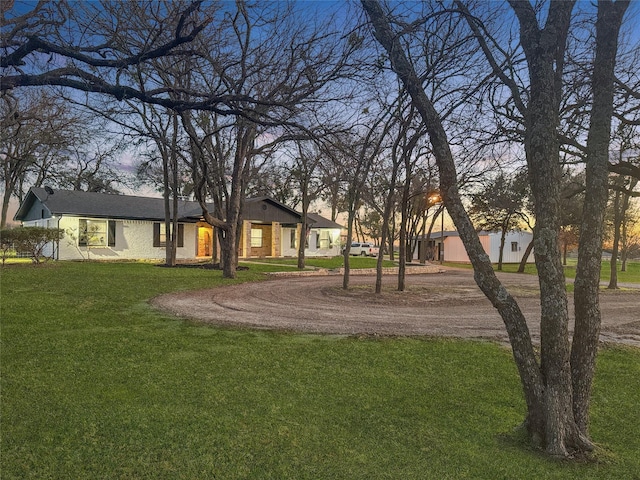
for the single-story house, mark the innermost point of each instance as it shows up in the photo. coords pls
(450, 244)
(324, 239)
(114, 227)
(271, 225)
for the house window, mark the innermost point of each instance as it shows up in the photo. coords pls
(324, 239)
(163, 233)
(318, 240)
(160, 234)
(293, 240)
(96, 233)
(256, 237)
(514, 246)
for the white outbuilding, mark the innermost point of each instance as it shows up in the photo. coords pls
(449, 244)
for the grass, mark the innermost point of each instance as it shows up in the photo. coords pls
(330, 263)
(97, 385)
(631, 275)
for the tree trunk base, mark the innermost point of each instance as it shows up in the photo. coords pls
(574, 443)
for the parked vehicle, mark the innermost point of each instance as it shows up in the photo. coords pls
(364, 249)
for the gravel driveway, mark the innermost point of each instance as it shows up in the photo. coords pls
(446, 304)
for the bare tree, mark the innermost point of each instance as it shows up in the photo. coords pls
(37, 133)
(333, 178)
(305, 169)
(100, 42)
(557, 389)
(386, 208)
(164, 131)
(587, 283)
(623, 188)
(355, 152)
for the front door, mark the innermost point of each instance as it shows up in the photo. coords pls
(204, 241)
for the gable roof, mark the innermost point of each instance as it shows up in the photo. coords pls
(106, 205)
(318, 221)
(266, 209)
(103, 205)
(446, 234)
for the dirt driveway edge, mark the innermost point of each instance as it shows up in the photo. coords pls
(447, 304)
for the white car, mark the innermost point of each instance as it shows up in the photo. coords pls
(364, 249)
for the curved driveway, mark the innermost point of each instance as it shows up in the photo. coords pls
(446, 304)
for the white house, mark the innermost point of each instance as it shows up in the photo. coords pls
(102, 226)
(515, 245)
(450, 244)
(323, 239)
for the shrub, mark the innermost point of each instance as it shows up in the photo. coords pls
(29, 240)
(8, 238)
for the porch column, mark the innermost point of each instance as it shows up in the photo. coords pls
(246, 239)
(276, 240)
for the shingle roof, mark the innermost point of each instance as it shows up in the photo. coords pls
(319, 221)
(104, 205)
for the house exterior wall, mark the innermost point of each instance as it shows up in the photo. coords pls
(38, 211)
(270, 235)
(264, 238)
(515, 244)
(322, 242)
(454, 250)
(288, 247)
(122, 227)
(133, 241)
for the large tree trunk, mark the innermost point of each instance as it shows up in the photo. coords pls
(548, 387)
(6, 198)
(541, 149)
(544, 49)
(174, 188)
(229, 253)
(484, 275)
(587, 283)
(170, 231)
(170, 186)
(206, 184)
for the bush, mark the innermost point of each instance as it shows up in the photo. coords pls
(7, 243)
(29, 240)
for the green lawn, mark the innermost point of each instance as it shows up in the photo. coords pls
(97, 385)
(330, 263)
(631, 275)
